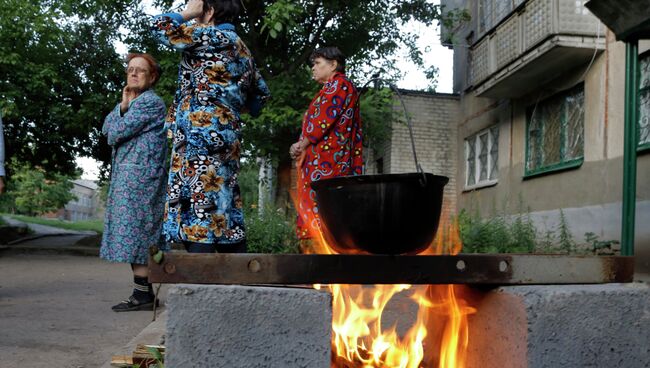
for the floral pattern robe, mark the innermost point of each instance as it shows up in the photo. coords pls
(217, 80)
(136, 195)
(333, 127)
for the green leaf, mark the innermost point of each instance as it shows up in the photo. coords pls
(155, 353)
(158, 257)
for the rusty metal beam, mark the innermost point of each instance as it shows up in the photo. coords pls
(479, 269)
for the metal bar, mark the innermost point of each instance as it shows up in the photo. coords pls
(479, 269)
(629, 146)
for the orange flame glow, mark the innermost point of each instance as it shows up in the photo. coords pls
(437, 337)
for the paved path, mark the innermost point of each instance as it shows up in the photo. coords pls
(44, 230)
(55, 311)
(52, 239)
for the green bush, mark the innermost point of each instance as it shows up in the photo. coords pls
(270, 232)
(496, 234)
(248, 183)
(33, 191)
(524, 234)
(8, 200)
(565, 238)
(501, 233)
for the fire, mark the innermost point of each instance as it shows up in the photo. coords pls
(360, 340)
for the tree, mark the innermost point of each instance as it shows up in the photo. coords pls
(35, 195)
(283, 33)
(59, 76)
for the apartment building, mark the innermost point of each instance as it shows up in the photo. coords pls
(541, 117)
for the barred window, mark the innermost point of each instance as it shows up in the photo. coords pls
(482, 158)
(644, 102)
(555, 132)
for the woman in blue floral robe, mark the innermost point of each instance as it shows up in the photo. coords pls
(217, 80)
(134, 207)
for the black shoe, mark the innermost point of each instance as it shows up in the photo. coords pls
(133, 304)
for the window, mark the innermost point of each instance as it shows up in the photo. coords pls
(555, 132)
(482, 158)
(502, 9)
(491, 12)
(644, 102)
(484, 16)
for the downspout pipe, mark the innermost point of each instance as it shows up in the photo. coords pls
(630, 145)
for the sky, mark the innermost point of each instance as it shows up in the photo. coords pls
(435, 53)
(413, 79)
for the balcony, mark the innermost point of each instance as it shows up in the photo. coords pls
(534, 44)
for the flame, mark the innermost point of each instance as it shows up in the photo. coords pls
(359, 339)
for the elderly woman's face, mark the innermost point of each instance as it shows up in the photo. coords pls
(138, 74)
(323, 69)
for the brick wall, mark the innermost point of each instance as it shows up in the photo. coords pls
(434, 117)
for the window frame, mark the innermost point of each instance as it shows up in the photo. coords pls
(492, 140)
(563, 164)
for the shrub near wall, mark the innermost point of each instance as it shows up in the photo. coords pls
(496, 234)
(518, 234)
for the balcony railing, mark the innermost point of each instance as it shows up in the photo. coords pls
(532, 41)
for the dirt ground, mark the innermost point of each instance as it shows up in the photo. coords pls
(55, 311)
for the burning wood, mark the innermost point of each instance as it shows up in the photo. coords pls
(438, 337)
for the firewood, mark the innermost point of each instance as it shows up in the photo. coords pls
(121, 361)
(142, 351)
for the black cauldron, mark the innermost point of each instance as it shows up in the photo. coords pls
(380, 214)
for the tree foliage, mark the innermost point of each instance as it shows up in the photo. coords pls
(34, 194)
(60, 74)
(283, 33)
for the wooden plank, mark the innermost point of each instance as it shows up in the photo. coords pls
(121, 361)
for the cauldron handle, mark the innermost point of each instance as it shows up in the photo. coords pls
(423, 180)
(375, 78)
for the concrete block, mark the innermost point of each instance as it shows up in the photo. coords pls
(561, 326)
(245, 327)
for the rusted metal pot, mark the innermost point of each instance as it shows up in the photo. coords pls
(380, 214)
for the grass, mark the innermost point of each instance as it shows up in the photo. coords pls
(86, 225)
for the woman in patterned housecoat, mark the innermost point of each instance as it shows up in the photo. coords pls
(133, 222)
(217, 80)
(330, 144)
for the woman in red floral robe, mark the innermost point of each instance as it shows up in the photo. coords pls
(330, 143)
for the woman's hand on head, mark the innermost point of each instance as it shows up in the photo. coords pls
(193, 9)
